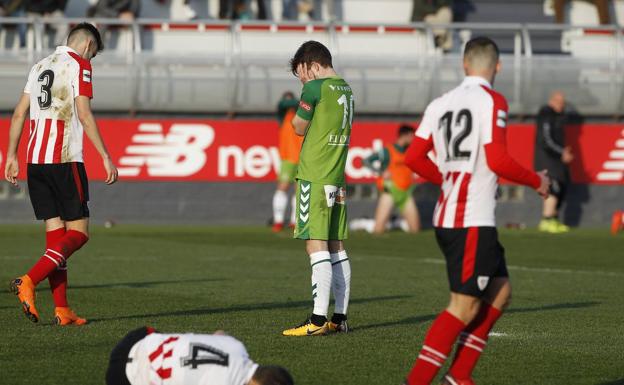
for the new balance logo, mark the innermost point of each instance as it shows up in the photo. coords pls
(179, 153)
(613, 168)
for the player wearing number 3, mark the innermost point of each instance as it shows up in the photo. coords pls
(466, 128)
(147, 357)
(58, 94)
(324, 117)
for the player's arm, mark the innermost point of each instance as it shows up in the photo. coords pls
(85, 115)
(310, 95)
(300, 124)
(417, 155)
(11, 169)
(498, 158)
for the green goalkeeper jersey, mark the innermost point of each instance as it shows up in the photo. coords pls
(328, 105)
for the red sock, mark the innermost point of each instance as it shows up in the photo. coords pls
(438, 344)
(472, 341)
(56, 255)
(58, 278)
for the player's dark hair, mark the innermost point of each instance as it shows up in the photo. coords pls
(90, 29)
(405, 129)
(311, 51)
(116, 372)
(482, 49)
(272, 375)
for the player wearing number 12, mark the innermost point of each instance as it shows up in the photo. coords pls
(466, 128)
(324, 117)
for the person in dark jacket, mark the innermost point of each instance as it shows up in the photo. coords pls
(50, 9)
(552, 154)
(121, 9)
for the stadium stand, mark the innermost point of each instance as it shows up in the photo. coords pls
(158, 64)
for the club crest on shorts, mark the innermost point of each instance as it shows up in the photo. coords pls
(482, 282)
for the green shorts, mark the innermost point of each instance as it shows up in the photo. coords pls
(400, 197)
(288, 171)
(321, 212)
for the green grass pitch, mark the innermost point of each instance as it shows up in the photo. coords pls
(565, 325)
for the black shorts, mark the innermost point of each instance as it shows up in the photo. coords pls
(473, 257)
(559, 188)
(59, 190)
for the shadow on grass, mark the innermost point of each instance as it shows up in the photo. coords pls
(430, 317)
(237, 308)
(616, 382)
(131, 285)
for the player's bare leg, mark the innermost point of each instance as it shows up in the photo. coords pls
(412, 216)
(320, 261)
(341, 286)
(280, 202)
(383, 212)
(550, 212)
(473, 339)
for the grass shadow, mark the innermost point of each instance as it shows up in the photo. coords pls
(131, 285)
(430, 317)
(243, 308)
(555, 306)
(616, 382)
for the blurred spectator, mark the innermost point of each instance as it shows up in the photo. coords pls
(434, 12)
(552, 154)
(14, 8)
(602, 7)
(334, 7)
(290, 9)
(241, 9)
(52, 9)
(461, 9)
(127, 10)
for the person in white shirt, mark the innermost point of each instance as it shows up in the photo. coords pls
(147, 357)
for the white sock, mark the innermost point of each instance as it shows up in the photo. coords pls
(280, 200)
(293, 210)
(341, 280)
(321, 281)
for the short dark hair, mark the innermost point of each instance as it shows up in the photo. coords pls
(405, 129)
(272, 375)
(311, 51)
(482, 50)
(90, 29)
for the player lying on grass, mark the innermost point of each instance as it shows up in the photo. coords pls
(395, 182)
(324, 117)
(146, 357)
(466, 129)
(58, 94)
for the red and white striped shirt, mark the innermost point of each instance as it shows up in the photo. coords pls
(56, 134)
(465, 127)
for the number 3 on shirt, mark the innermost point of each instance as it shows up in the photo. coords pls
(46, 79)
(347, 110)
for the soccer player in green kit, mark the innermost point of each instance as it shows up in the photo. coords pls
(324, 118)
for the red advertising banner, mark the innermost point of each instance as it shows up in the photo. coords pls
(246, 150)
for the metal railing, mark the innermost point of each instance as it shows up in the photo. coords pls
(384, 81)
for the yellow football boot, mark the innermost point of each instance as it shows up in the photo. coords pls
(307, 328)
